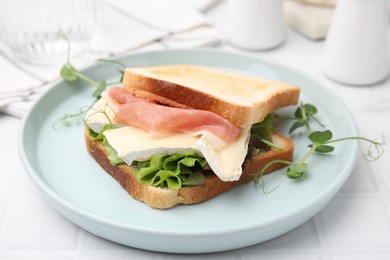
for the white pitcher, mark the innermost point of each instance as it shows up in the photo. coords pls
(356, 49)
(255, 24)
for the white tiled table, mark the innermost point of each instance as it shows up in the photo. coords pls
(354, 225)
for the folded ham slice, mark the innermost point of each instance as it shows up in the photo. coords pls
(160, 120)
(123, 97)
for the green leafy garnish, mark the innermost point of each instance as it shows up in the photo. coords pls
(302, 116)
(260, 137)
(111, 153)
(263, 131)
(162, 170)
(121, 71)
(99, 136)
(320, 139)
(172, 171)
(296, 170)
(320, 143)
(70, 74)
(68, 119)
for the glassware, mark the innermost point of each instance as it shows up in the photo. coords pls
(36, 31)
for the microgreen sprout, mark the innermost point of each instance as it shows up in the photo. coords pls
(68, 119)
(320, 143)
(70, 74)
(102, 110)
(262, 132)
(121, 71)
(302, 116)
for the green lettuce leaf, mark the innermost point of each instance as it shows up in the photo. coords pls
(195, 179)
(99, 136)
(261, 137)
(162, 170)
(111, 153)
(172, 171)
(264, 129)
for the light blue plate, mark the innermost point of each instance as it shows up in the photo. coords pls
(59, 164)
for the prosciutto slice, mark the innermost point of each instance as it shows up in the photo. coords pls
(161, 120)
(124, 97)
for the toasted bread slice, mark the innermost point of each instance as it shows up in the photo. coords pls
(163, 198)
(240, 99)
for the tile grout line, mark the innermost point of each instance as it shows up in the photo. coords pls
(384, 193)
(321, 235)
(326, 249)
(377, 179)
(77, 251)
(386, 203)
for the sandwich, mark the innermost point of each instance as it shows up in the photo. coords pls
(180, 134)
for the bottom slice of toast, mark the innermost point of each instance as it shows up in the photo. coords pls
(163, 198)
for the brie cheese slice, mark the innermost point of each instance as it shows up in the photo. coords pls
(134, 144)
(227, 162)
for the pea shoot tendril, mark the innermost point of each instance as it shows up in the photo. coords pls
(320, 143)
(70, 74)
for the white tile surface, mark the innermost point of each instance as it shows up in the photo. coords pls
(354, 225)
(89, 241)
(367, 255)
(9, 137)
(280, 255)
(3, 208)
(356, 221)
(35, 256)
(381, 169)
(36, 233)
(387, 204)
(303, 237)
(362, 179)
(9, 173)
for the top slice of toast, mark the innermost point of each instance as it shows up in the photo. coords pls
(243, 100)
